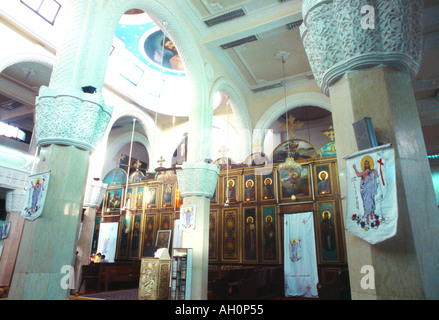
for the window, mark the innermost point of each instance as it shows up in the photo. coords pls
(132, 72)
(15, 133)
(46, 9)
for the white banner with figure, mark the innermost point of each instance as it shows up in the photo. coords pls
(300, 266)
(35, 195)
(372, 208)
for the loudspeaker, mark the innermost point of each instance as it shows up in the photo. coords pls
(89, 89)
(364, 134)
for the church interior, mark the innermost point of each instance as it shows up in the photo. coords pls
(201, 146)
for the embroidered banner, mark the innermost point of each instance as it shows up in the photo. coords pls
(35, 195)
(187, 217)
(300, 264)
(372, 208)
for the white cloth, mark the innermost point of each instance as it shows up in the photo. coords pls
(372, 208)
(37, 185)
(300, 266)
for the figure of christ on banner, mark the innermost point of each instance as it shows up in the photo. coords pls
(368, 190)
(371, 199)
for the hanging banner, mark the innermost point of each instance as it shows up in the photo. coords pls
(372, 208)
(300, 266)
(35, 195)
(187, 217)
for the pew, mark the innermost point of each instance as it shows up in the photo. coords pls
(117, 272)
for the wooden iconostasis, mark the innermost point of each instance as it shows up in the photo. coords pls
(249, 230)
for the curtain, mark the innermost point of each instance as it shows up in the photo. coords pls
(300, 266)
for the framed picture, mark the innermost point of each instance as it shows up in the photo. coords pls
(163, 239)
(151, 196)
(124, 233)
(328, 239)
(231, 189)
(128, 200)
(113, 200)
(270, 250)
(323, 180)
(213, 235)
(250, 188)
(139, 199)
(295, 187)
(268, 187)
(168, 195)
(250, 235)
(150, 226)
(135, 237)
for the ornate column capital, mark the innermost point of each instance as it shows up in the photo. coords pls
(94, 194)
(338, 36)
(69, 116)
(14, 200)
(197, 179)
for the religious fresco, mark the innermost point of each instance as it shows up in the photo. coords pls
(328, 233)
(327, 150)
(323, 179)
(268, 187)
(113, 200)
(269, 231)
(296, 184)
(135, 237)
(116, 176)
(249, 188)
(159, 47)
(123, 237)
(297, 149)
(250, 236)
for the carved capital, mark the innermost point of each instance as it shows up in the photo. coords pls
(339, 37)
(197, 179)
(15, 200)
(70, 117)
(94, 194)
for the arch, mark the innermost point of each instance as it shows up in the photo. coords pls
(240, 111)
(169, 20)
(34, 57)
(293, 101)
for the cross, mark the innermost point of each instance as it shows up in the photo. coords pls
(329, 133)
(380, 161)
(293, 123)
(137, 165)
(161, 161)
(223, 150)
(257, 145)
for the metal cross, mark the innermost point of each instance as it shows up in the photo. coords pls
(161, 161)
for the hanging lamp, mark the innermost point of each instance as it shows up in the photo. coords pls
(289, 165)
(125, 207)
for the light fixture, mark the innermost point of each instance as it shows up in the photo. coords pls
(289, 165)
(227, 203)
(125, 206)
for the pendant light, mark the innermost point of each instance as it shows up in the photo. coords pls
(289, 165)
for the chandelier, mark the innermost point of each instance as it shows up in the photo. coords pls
(289, 166)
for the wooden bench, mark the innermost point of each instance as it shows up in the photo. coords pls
(117, 272)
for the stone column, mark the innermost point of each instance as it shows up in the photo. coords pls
(93, 197)
(69, 122)
(197, 182)
(364, 57)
